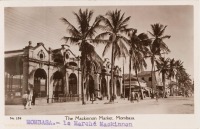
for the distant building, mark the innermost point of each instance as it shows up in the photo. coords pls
(173, 88)
(154, 81)
(55, 75)
(140, 87)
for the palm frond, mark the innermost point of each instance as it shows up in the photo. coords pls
(107, 23)
(166, 37)
(98, 41)
(164, 47)
(102, 35)
(125, 40)
(162, 31)
(151, 34)
(91, 12)
(72, 40)
(70, 26)
(108, 45)
(91, 32)
(74, 34)
(126, 30)
(124, 22)
(123, 49)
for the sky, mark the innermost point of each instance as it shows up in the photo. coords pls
(43, 24)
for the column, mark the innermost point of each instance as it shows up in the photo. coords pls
(121, 86)
(108, 85)
(25, 75)
(115, 86)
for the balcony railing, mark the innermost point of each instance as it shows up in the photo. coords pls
(67, 98)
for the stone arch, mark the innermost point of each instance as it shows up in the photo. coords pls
(40, 83)
(118, 87)
(73, 84)
(58, 83)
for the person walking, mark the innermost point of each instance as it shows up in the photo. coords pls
(137, 97)
(157, 95)
(25, 98)
(29, 99)
(33, 98)
(132, 97)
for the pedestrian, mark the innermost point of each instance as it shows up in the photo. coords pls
(137, 97)
(92, 97)
(29, 99)
(157, 95)
(25, 98)
(33, 98)
(132, 97)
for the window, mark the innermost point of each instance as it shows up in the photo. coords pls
(67, 56)
(150, 79)
(41, 55)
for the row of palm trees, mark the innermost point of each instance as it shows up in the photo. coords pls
(112, 30)
(173, 69)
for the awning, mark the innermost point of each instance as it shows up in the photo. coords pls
(14, 65)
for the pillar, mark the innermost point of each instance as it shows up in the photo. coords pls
(115, 86)
(108, 85)
(50, 78)
(25, 75)
(121, 86)
(66, 82)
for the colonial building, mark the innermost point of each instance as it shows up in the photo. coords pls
(54, 75)
(154, 82)
(140, 87)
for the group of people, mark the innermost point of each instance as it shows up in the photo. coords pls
(27, 99)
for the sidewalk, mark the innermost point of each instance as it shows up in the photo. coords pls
(164, 105)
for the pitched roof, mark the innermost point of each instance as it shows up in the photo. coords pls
(133, 78)
(144, 73)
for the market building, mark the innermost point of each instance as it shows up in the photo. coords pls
(54, 75)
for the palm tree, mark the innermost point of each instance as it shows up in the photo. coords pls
(182, 77)
(115, 25)
(82, 35)
(163, 68)
(172, 70)
(139, 50)
(157, 46)
(179, 70)
(183, 80)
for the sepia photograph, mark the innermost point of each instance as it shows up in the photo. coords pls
(87, 60)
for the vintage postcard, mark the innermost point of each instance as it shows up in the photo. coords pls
(100, 64)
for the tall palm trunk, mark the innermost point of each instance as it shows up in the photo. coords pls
(163, 80)
(129, 96)
(136, 73)
(171, 92)
(82, 81)
(152, 70)
(176, 85)
(112, 76)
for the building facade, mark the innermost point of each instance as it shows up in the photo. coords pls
(54, 75)
(133, 86)
(154, 82)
